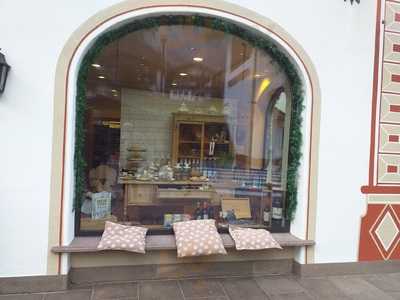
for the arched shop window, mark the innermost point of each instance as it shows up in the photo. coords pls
(180, 122)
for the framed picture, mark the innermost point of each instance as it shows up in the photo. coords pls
(240, 206)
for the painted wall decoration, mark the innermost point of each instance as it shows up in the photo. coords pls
(380, 227)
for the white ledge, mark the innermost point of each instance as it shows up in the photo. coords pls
(167, 242)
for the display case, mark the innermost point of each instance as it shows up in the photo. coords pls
(201, 141)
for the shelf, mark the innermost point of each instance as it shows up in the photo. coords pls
(189, 142)
(184, 194)
(219, 143)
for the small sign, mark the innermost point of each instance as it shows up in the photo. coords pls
(101, 205)
(240, 206)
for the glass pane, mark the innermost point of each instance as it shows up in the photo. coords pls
(185, 122)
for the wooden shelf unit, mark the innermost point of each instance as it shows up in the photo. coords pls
(190, 138)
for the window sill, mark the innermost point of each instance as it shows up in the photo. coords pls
(167, 242)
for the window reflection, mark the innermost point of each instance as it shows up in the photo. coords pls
(185, 122)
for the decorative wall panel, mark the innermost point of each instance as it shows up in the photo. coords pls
(392, 47)
(391, 78)
(392, 18)
(389, 168)
(390, 108)
(389, 138)
(380, 226)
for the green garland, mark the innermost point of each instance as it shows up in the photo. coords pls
(255, 39)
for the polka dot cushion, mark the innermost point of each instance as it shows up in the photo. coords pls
(252, 239)
(197, 238)
(122, 237)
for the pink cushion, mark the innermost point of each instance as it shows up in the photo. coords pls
(197, 238)
(252, 239)
(122, 237)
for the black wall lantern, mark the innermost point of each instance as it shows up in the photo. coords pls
(4, 68)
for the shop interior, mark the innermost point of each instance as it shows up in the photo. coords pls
(183, 123)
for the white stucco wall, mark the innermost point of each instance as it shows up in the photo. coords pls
(338, 37)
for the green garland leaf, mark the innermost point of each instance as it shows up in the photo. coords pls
(257, 40)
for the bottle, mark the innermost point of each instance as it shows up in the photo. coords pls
(210, 212)
(277, 210)
(197, 212)
(204, 211)
(267, 215)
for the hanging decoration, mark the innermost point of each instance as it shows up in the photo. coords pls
(352, 1)
(255, 39)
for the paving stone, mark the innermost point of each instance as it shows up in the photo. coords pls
(243, 288)
(395, 296)
(279, 285)
(385, 282)
(322, 288)
(22, 297)
(358, 289)
(160, 290)
(107, 291)
(201, 288)
(69, 295)
(208, 298)
(296, 296)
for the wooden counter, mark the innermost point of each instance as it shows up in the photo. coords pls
(158, 193)
(161, 182)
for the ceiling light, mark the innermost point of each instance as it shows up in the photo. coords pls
(96, 66)
(174, 84)
(192, 49)
(257, 75)
(101, 77)
(198, 59)
(183, 74)
(114, 91)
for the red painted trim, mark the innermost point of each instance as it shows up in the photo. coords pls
(393, 138)
(394, 108)
(395, 78)
(380, 190)
(396, 48)
(193, 6)
(375, 94)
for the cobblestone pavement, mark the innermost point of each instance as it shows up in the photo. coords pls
(365, 287)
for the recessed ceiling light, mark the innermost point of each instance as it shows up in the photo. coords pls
(183, 74)
(114, 91)
(198, 59)
(96, 66)
(257, 75)
(174, 84)
(101, 77)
